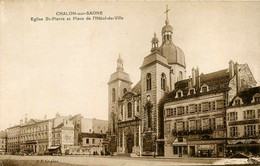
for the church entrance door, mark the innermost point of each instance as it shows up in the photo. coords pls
(130, 142)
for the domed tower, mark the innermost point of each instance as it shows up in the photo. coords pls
(173, 54)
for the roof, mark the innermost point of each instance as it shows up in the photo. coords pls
(137, 87)
(217, 82)
(119, 75)
(153, 58)
(173, 54)
(167, 28)
(247, 95)
(3, 134)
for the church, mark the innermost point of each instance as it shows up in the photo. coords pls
(167, 114)
(135, 122)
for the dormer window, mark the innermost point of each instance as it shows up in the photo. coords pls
(191, 91)
(256, 98)
(237, 101)
(204, 88)
(179, 94)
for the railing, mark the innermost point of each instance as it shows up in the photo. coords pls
(186, 132)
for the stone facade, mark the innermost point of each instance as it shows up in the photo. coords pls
(195, 112)
(161, 69)
(13, 142)
(243, 123)
(3, 141)
(35, 136)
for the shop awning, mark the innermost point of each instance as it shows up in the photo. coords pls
(53, 147)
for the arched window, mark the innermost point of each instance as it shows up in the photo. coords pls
(125, 90)
(163, 81)
(113, 94)
(129, 109)
(148, 82)
(180, 76)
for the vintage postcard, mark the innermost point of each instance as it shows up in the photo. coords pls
(129, 83)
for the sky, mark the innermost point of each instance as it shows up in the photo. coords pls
(64, 66)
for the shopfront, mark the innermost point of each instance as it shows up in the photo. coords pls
(206, 150)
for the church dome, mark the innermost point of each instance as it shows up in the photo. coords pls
(173, 54)
(167, 28)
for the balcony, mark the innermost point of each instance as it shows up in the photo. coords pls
(191, 132)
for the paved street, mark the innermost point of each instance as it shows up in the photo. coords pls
(114, 160)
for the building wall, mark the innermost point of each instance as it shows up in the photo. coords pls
(241, 122)
(86, 125)
(174, 128)
(2, 145)
(13, 139)
(94, 125)
(36, 136)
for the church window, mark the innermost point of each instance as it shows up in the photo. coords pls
(180, 76)
(148, 82)
(149, 115)
(129, 109)
(137, 107)
(168, 37)
(125, 90)
(163, 81)
(113, 94)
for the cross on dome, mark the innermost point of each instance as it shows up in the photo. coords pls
(167, 10)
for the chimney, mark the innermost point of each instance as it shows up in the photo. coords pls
(21, 122)
(193, 77)
(25, 120)
(198, 77)
(45, 117)
(231, 69)
(190, 83)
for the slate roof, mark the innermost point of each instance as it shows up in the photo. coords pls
(154, 57)
(137, 87)
(247, 95)
(119, 75)
(217, 82)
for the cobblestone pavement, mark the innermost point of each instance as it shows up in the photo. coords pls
(114, 160)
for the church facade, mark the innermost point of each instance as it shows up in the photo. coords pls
(136, 123)
(167, 114)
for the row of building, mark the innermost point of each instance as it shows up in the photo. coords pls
(166, 113)
(62, 134)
